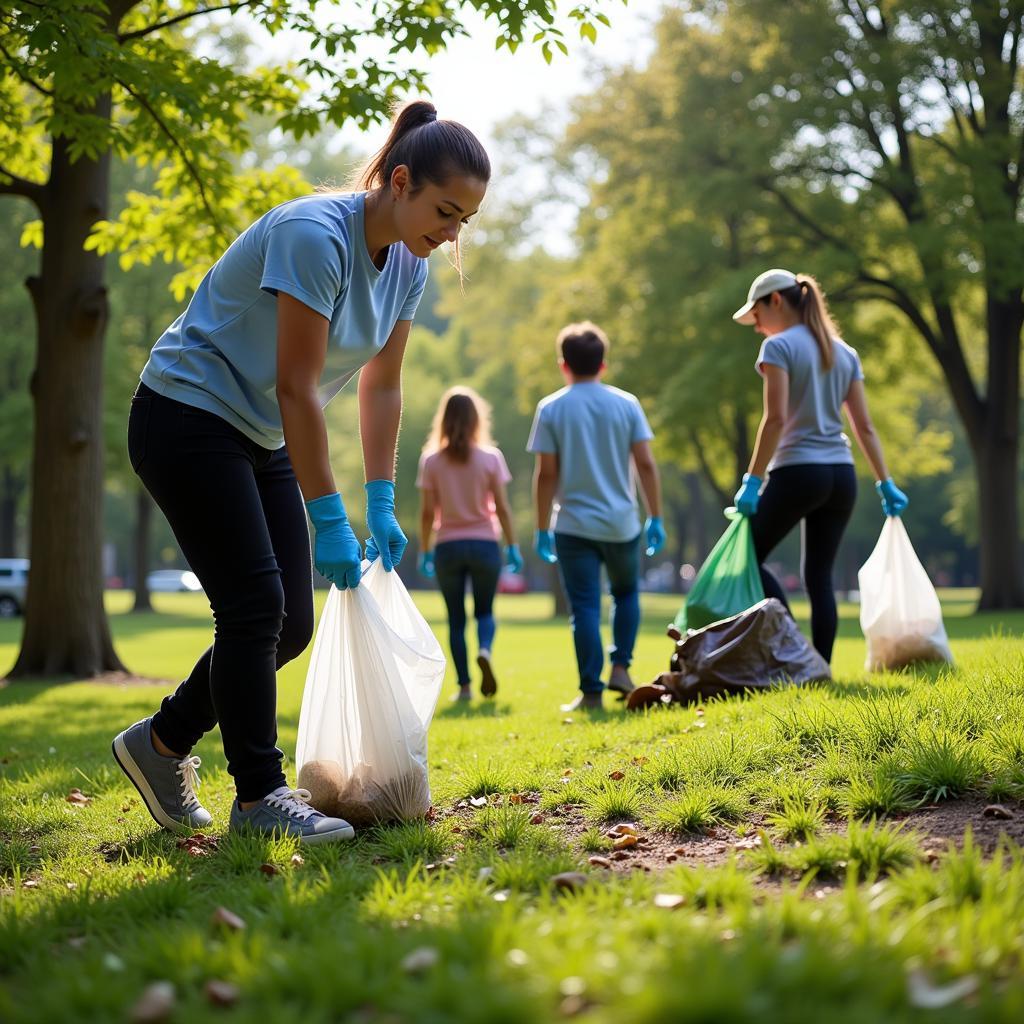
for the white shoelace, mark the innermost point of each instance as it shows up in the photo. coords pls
(294, 802)
(188, 770)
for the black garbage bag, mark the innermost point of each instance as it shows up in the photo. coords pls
(757, 649)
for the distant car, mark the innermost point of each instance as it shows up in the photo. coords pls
(13, 585)
(174, 581)
(511, 583)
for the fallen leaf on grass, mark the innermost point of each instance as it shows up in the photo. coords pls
(747, 843)
(298, 860)
(599, 862)
(30, 883)
(78, 799)
(998, 811)
(270, 870)
(228, 919)
(924, 993)
(639, 760)
(221, 993)
(616, 775)
(624, 829)
(420, 960)
(572, 881)
(537, 819)
(198, 844)
(156, 1004)
(669, 900)
(624, 842)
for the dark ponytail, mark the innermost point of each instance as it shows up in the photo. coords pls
(433, 150)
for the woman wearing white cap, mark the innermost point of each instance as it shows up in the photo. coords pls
(809, 375)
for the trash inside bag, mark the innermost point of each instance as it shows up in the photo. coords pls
(899, 609)
(373, 682)
(729, 581)
(758, 649)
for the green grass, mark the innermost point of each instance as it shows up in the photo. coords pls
(96, 903)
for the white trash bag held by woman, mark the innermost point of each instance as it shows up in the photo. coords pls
(899, 609)
(373, 681)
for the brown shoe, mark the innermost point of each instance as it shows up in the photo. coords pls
(619, 681)
(488, 684)
(584, 702)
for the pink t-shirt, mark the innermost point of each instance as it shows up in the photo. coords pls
(464, 493)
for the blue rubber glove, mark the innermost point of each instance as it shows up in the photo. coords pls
(748, 495)
(544, 545)
(386, 537)
(894, 501)
(513, 558)
(336, 552)
(427, 564)
(655, 531)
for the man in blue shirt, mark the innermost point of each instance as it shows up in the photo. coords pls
(592, 443)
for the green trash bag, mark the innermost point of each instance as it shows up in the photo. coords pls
(729, 581)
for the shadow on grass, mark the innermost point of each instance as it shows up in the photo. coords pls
(472, 709)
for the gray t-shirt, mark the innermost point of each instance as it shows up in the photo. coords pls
(592, 427)
(814, 427)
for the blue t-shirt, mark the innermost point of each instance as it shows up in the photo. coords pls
(813, 432)
(591, 427)
(221, 353)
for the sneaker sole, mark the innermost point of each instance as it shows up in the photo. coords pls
(488, 684)
(127, 764)
(338, 835)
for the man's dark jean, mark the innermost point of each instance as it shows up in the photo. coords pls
(238, 516)
(579, 561)
(479, 561)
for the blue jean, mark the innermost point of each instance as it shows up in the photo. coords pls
(480, 562)
(580, 561)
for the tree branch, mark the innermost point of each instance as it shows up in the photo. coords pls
(186, 159)
(26, 78)
(22, 187)
(706, 468)
(124, 37)
(804, 218)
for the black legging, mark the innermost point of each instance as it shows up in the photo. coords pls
(237, 513)
(823, 498)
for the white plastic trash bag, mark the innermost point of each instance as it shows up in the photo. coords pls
(899, 609)
(373, 682)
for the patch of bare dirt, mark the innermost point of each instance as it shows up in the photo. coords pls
(936, 827)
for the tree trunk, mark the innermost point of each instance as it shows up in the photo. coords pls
(66, 629)
(998, 463)
(698, 519)
(143, 530)
(10, 491)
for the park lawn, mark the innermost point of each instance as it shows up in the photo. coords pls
(848, 910)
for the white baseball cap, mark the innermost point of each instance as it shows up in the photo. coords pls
(775, 280)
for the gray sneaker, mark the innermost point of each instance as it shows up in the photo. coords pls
(167, 785)
(287, 812)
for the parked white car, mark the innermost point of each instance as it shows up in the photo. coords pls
(173, 581)
(13, 585)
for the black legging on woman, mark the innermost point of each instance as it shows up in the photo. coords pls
(237, 514)
(822, 496)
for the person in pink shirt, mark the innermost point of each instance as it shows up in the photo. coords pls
(462, 478)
